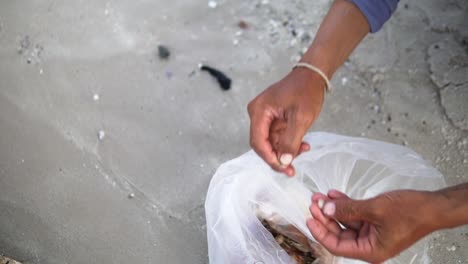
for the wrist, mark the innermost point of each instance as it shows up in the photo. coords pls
(320, 57)
(451, 206)
(429, 213)
(312, 82)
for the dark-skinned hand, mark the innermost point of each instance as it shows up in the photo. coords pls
(376, 229)
(281, 115)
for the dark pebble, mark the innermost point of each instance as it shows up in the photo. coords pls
(243, 25)
(163, 52)
(25, 43)
(306, 38)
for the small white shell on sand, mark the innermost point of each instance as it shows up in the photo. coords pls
(344, 80)
(452, 248)
(212, 4)
(101, 134)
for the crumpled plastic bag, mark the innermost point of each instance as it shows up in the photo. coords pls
(245, 190)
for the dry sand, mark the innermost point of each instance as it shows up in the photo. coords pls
(134, 193)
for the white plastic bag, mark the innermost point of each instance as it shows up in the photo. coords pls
(359, 167)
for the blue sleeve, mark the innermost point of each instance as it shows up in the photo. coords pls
(377, 12)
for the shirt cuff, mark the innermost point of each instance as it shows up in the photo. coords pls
(377, 12)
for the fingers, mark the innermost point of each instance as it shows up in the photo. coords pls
(270, 131)
(290, 171)
(261, 140)
(349, 243)
(335, 194)
(348, 210)
(317, 213)
(318, 200)
(290, 141)
(259, 137)
(317, 196)
(327, 232)
(277, 129)
(338, 244)
(303, 148)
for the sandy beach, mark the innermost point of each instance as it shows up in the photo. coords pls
(107, 150)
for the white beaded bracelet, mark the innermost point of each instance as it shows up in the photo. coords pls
(317, 70)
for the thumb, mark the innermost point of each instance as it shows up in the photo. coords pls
(290, 141)
(348, 210)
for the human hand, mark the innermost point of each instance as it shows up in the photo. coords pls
(376, 229)
(281, 115)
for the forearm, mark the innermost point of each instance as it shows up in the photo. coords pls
(341, 31)
(451, 204)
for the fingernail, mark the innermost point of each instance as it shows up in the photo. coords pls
(329, 209)
(286, 159)
(320, 203)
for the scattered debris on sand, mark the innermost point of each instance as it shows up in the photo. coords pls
(163, 52)
(243, 25)
(223, 80)
(101, 135)
(212, 4)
